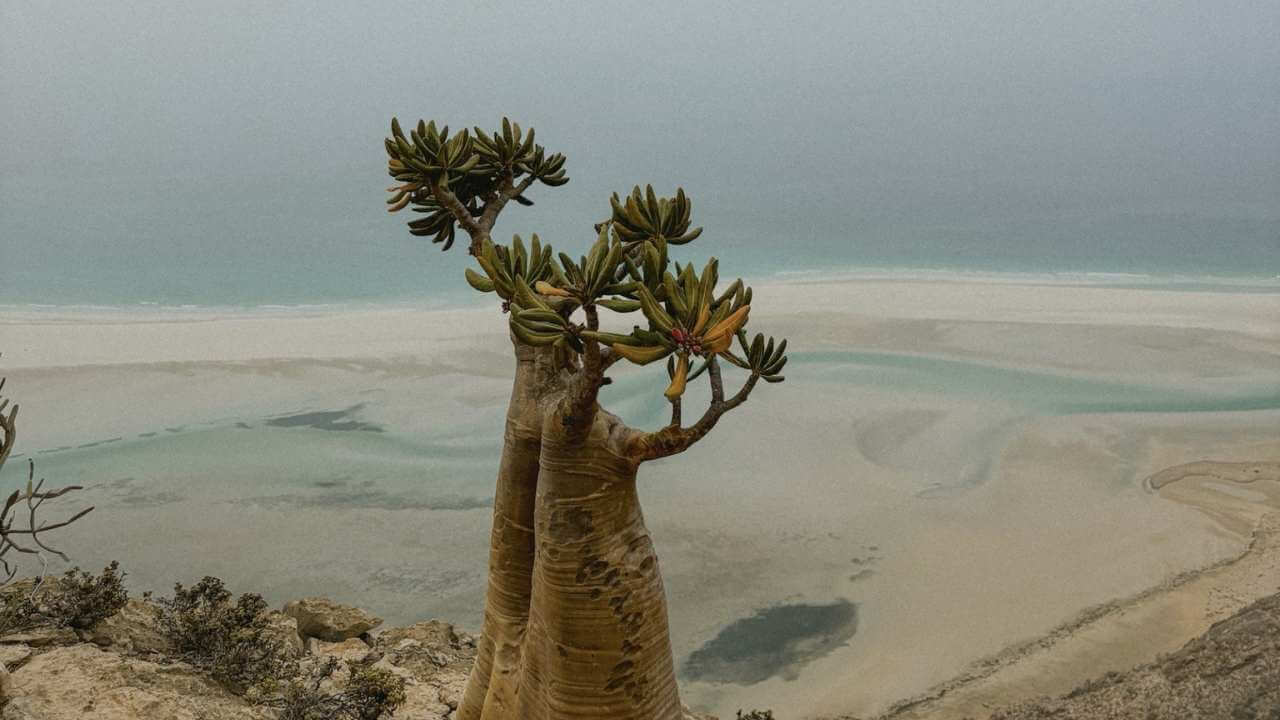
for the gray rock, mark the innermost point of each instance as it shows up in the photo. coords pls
(322, 618)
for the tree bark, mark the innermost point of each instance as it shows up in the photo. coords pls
(491, 687)
(597, 644)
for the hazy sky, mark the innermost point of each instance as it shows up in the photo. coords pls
(199, 139)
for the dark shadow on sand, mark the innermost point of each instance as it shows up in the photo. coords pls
(775, 641)
(326, 420)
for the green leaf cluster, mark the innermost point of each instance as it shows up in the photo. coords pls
(645, 216)
(761, 357)
(686, 315)
(628, 269)
(474, 166)
(503, 265)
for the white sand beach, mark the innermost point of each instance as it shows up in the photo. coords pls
(954, 467)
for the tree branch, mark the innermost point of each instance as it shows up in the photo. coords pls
(717, 384)
(507, 191)
(450, 202)
(8, 423)
(674, 439)
(579, 402)
(607, 358)
(34, 497)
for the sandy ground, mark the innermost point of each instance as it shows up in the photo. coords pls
(966, 463)
(1127, 632)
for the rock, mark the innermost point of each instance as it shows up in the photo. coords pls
(286, 628)
(12, 655)
(433, 633)
(452, 687)
(435, 661)
(85, 681)
(311, 665)
(427, 649)
(42, 637)
(134, 629)
(400, 672)
(351, 650)
(422, 702)
(327, 620)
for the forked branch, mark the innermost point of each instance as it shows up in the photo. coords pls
(34, 496)
(478, 227)
(674, 439)
(578, 406)
(493, 206)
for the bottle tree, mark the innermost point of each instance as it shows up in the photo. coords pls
(575, 618)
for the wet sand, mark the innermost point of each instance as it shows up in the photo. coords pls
(951, 470)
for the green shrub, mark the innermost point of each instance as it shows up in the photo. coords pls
(81, 601)
(756, 715)
(232, 641)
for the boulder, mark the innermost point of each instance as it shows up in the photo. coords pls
(422, 702)
(435, 661)
(352, 650)
(433, 633)
(134, 629)
(322, 618)
(286, 628)
(85, 681)
(427, 649)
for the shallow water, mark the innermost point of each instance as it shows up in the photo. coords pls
(935, 425)
(338, 457)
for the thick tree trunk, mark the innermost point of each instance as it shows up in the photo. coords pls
(597, 644)
(491, 688)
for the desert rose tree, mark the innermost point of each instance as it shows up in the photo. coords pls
(575, 619)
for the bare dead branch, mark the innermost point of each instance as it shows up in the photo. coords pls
(34, 496)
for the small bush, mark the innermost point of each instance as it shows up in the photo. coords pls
(373, 691)
(18, 611)
(756, 715)
(232, 641)
(302, 698)
(369, 694)
(81, 601)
